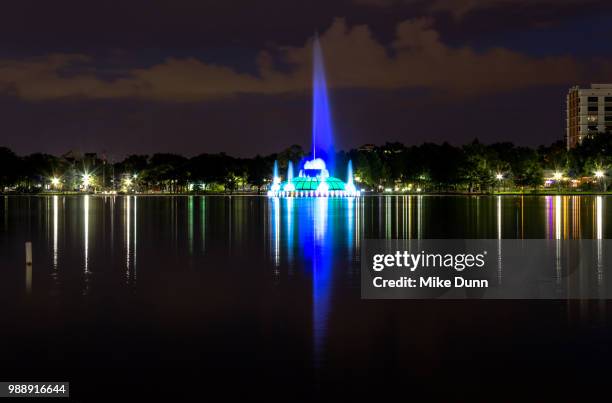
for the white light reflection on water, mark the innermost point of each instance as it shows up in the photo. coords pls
(86, 232)
(599, 239)
(127, 237)
(55, 231)
(499, 239)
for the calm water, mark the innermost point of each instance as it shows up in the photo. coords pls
(205, 292)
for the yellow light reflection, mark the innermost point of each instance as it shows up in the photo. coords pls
(127, 237)
(86, 231)
(55, 230)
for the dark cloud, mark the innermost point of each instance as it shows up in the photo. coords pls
(354, 59)
(192, 76)
(460, 8)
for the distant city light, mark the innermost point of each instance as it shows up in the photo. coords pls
(55, 181)
(599, 174)
(499, 176)
(557, 176)
(127, 182)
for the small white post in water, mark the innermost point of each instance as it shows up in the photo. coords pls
(28, 250)
(28, 279)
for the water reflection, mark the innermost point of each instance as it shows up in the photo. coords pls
(326, 229)
(55, 230)
(135, 238)
(499, 238)
(599, 236)
(275, 226)
(131, 238)
(289, 218)
(86, 232)
(190, 214)
(312, 241)
(203, 223)
(315, 235)
(321, 275)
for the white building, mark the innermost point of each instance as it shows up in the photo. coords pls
(589, 111)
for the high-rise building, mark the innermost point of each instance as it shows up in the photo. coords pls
(589, 112)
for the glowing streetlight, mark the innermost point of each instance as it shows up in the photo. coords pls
(601, 177)
(55, 181)
(86, 180)
(557, 176)
(500, 177)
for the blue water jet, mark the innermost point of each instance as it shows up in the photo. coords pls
(276, 182)
(275, 173)
(322, 132)
(289, 171)
(289, 186)
(350, 186)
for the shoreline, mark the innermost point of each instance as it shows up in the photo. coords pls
(365, 194)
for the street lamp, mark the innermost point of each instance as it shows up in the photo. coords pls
(86, 180)
(55, 182)
(127, 183)
(600, 175)
(557, 176)
(500, 177)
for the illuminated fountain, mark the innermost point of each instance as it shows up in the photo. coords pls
(314, 179)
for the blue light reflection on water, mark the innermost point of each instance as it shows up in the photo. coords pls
(313, 244)
(319, 234)
(313, 228)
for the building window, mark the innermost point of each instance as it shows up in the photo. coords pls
(608, 99)
(608, 118)
(593, 108)
(592, 99)
(592, 118)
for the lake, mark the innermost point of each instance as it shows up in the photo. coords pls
(249, 296)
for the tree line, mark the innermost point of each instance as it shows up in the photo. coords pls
(473, 167)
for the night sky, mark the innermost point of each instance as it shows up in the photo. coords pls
(122, 77)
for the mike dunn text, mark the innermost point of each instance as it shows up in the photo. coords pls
(429, 282)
